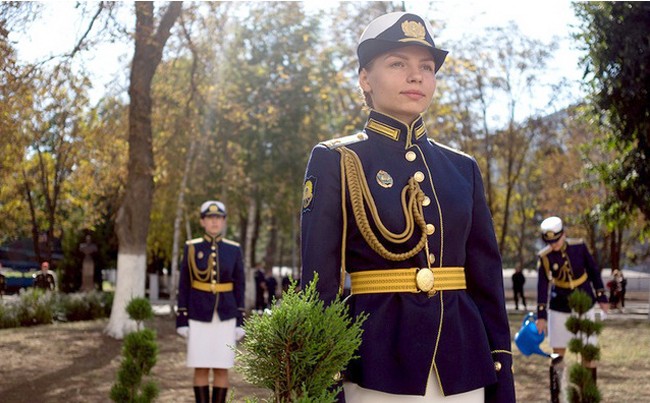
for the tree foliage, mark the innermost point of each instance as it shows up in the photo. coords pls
(617, 44)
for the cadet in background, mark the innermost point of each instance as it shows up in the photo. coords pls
(211, 303)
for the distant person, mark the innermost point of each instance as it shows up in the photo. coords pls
(623, 289)
(286, 282)
(44, 280)
(615, 286)
(565, 265)
(260, 289)
(211, 303)
(3, 282)
(518, 281)
(271, 287)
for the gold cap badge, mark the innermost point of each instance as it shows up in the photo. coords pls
(414, 31)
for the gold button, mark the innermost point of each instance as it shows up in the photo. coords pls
(214, 247)
(430, 229)
(213, 254)
(214, 281)
(410, 156)
(497, 366)
(419, 176)
(432, 258)
(426, 201)
(214, 272)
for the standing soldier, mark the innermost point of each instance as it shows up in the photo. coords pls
(211, 303)
(45, 279)
(564, 265)
(518, 281)
(407, 218)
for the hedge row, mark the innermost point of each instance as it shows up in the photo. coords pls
(35, 307)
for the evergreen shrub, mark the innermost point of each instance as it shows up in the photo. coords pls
(298, 348)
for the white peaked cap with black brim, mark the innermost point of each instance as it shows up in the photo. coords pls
(396, 30)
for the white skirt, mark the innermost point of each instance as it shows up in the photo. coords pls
(558, 335)
(211, 344)
(356, 394)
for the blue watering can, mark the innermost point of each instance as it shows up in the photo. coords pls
(528, 338)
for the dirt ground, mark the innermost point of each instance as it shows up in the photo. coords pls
(76, 362)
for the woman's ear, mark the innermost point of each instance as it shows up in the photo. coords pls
(364, 84)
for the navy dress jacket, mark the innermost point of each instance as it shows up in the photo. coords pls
(196, 300)
(463, 336)
(569, 269)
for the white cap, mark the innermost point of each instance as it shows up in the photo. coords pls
(213, 207)
(394, 30)
(552, 229)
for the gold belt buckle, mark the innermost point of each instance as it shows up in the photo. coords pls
(213, 287)
(424, 280)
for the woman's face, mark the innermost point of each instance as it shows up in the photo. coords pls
(401, 82)
(213, 224)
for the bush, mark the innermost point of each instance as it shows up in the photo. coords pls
(83, 306)
(139, 355)
(298, 349)
(35, 307)
(582, 387)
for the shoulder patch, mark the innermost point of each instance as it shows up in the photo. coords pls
(194, 241)
(545, 251)
(345, 141)
(308, 192)
(230, 242)
(575, 241)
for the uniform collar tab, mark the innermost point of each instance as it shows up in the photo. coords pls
(212, 239)
(394, 129)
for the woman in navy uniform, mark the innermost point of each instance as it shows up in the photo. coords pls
(211, 303)
(406, 217)
(564, 266)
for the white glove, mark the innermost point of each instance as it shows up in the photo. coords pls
(183, 331)
(239, 333)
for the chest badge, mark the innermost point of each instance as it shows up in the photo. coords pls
(384, 179)
(199, 255)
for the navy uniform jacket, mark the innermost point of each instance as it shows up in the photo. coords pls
(571, 268)
(462, 335)
(225, 258)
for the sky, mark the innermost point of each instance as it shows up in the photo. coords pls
(542, 20)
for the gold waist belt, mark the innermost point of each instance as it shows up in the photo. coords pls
(408, 280)
(212, 287)
(571, 284)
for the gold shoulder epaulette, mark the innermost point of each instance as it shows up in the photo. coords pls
(575, 241)
(230, 242)
(545, 251)
(194, 241)
(344, 141)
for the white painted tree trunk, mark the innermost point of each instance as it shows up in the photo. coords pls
(131, 271)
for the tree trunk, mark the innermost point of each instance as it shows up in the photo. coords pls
(248, 250)
(178, 220)
(133, 216)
